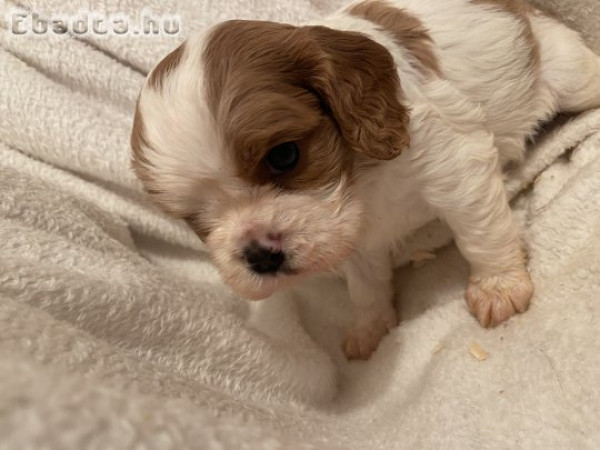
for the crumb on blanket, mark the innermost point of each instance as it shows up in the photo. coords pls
(477, 352)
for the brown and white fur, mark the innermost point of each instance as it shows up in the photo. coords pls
(403, 111)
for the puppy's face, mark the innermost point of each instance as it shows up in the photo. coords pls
(255, 134)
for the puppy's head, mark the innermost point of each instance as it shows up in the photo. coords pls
(255, 134)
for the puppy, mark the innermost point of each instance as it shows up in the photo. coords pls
(296, 150)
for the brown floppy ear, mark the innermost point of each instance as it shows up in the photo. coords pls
(359, 83)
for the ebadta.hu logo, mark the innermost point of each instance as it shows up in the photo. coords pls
(146, 23)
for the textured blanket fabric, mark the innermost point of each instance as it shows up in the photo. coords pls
(116, 332)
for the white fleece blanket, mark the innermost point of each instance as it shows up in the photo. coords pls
(115, 332)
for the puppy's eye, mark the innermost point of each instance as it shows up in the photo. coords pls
(283, 158)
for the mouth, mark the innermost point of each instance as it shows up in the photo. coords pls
(284, 269)
(265, 285)
(258, 275)
(275, 266)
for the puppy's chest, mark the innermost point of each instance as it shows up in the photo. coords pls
(395, 208)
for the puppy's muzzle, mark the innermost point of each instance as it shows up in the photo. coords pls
(262, 260)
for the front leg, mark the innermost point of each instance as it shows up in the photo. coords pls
(369, 278)
(463, 182)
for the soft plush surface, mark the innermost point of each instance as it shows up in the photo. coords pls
(581, 15)
(115, 331)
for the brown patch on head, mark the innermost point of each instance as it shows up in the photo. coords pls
(164, 67)
(324, 89)
(521, 10)
(407, 30)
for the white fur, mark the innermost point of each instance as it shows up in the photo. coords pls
(464, 126)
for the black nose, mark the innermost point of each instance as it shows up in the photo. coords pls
(262, 260)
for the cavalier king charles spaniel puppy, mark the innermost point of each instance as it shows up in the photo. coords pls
(296, 150)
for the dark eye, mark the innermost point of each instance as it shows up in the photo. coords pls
(283, 158)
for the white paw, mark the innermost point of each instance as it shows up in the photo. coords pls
(496, 298)
(362, 340)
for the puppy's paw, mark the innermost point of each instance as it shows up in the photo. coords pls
(362, 340)
(496, 298)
